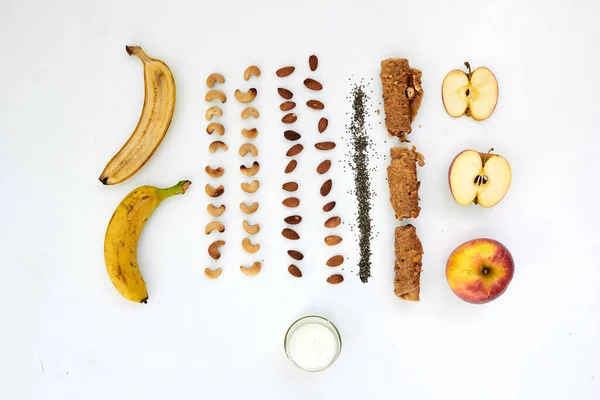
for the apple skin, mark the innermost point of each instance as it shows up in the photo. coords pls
(468, 262)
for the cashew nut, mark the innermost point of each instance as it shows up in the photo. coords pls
(248, 148)
(250, 112)
(250, 187)
(213, 249)
(212, 127)
(215, 94)
(249, 209)
(214, 225)
(214, 192)
(251, 70)
(215, 211)
(251, 229)
(212, 274)
(246, 97)
(213, 111)
(216, 145)
(250, 171)
(214, 172)
(253, 270)
(249, 247)
(212, 78)
(250, 133)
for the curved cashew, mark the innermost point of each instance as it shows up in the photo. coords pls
(249, 209)
(250, 187)
(250, 133)
(248, 148)
(213, 111)
(249, 247)
(212, 127)
(214, 172)
(213, 249)
(246, 97)
(250, 112)
(215, 211)
(212, 78)
(253, 270)
(251, 229)
(214, 192)
(251, 70)
(214, 225)
(216, 145)
(212, 274)
(215, 94)
(250, 171)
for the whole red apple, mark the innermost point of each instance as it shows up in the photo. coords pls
(480, 270)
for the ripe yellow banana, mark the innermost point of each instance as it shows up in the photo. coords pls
(159, 104)
(123, 232)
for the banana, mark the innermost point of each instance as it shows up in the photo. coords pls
(123, 233)
(159, 104)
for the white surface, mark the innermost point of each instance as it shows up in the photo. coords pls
(71, 96)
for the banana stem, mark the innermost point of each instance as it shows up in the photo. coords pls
(180, 188)
(138, 52)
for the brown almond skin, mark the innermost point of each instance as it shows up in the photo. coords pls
(295, 150)
(335, 279)
(293, 219)
(325, 146)
(313, 62)
(295, 271)
(333, 222)
(291, 202)
(329, 206)
(335, 261)
(289, 118)
(286, 94)
(315, 105)
(312, 84)
(285, 71)
(324, 167)
(296, 255)
(290, 186)
(287, 106)
(326, 187)
(323, 123)
(332, 240)
(290, 234)
(291, 135)
(291, 166)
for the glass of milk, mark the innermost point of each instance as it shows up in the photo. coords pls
(312, 343)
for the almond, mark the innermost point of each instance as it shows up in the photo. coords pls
(290, 234)
(286, 94)
(332, 240)
(315, 104)
(313, 62)
(324, 167)
(333, 222)
(295, 271)
(291, 135)
(294, 150)
(293, 219)
(312, 84)
(285, 71)
(335, 261)
(325, 145)
(326, 187)
(323, 122)
(296, 255)
(329, 206)
(291, 166)
(291, 202)
(289, 118)
(335, 279)
(287, 106)
(290, 186)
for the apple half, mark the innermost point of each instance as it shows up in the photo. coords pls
(480, 178)
(473, 94)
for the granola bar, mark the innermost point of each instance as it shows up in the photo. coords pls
(403, 183)
(408, 266)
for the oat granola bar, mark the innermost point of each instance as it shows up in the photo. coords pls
(403, 183)
(408, 266)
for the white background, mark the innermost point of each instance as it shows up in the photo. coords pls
(71, 96)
